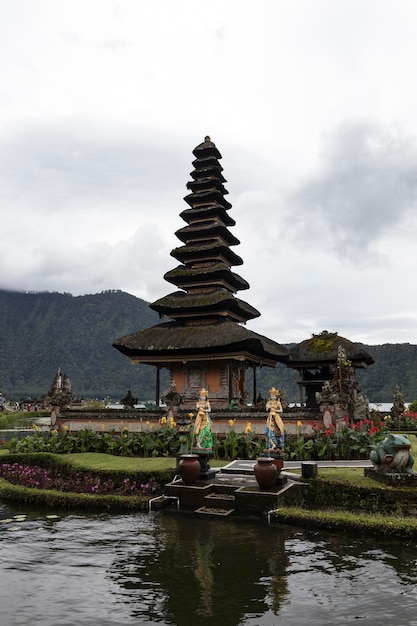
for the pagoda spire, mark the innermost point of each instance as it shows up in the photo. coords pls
(204, 277)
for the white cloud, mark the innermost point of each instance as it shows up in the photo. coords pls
(367, 186)
(311, 104)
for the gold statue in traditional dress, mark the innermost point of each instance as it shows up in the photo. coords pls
(274, 425)
(202, 427)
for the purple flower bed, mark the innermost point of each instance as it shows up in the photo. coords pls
(75, 482)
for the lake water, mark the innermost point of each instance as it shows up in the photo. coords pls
(167, 569)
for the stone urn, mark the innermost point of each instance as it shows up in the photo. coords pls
(189, 468)
(265, 472)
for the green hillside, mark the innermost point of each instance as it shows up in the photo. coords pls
(395, 364)
(40, 332)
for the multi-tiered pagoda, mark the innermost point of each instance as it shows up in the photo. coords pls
(205, 344)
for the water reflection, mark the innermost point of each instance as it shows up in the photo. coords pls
(217, 570)
(169, 570)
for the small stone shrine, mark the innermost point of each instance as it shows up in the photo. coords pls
(204, 344)
(326, 363)
(60, 393)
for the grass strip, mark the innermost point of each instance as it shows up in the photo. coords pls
(388, 526)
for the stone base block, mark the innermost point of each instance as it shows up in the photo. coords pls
(392, 478)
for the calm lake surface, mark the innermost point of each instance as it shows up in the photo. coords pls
(103, 570)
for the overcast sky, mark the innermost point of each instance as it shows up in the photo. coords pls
(312, 103)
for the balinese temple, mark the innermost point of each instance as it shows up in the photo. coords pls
(205, 343)
(316, 358)
(60, 384)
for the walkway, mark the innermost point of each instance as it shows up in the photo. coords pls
(246, 467)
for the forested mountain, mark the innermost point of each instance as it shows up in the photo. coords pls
(395, 364)
(40, 332)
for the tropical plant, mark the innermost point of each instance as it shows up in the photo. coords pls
(353, 441)
(404, 421)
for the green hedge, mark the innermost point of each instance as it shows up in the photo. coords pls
(57, 499)
(63, 499)
(341, 495)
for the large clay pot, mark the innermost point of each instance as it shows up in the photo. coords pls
(265, 472)
(189, 468)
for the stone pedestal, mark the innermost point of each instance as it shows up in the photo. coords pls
(309, 469)
(204, 456)
(392, 478)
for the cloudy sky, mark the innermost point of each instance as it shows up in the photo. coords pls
(312, 103)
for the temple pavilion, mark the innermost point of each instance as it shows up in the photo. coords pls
(316, 359)
(204, 343)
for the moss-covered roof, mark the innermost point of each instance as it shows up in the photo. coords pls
(219, 301)
(206, 230)
(208, 196)
(208, 168)
(321, 349)
(219, 272)
(205, 183)
(206, 251)
(207, 211)
(206, 149)
(173, 341)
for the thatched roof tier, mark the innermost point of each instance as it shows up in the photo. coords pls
(206, 149)
(208, 167)
(206, 252)
(211, 195)
(321, 350)
(217, 303)
(206, 184)
(214, 229)
(216, 275)
(208, 162)
(202, 212)
(171, 342)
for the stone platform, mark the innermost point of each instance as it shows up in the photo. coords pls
(232, 491)
(392, 478)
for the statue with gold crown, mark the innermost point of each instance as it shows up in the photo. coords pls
(202, 426)
(274, 425)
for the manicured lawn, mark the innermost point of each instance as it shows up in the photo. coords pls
(97, 461)
(352, 475)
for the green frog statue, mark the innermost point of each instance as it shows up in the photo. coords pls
(393, 455)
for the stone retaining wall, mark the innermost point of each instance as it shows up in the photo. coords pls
(106, 420)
